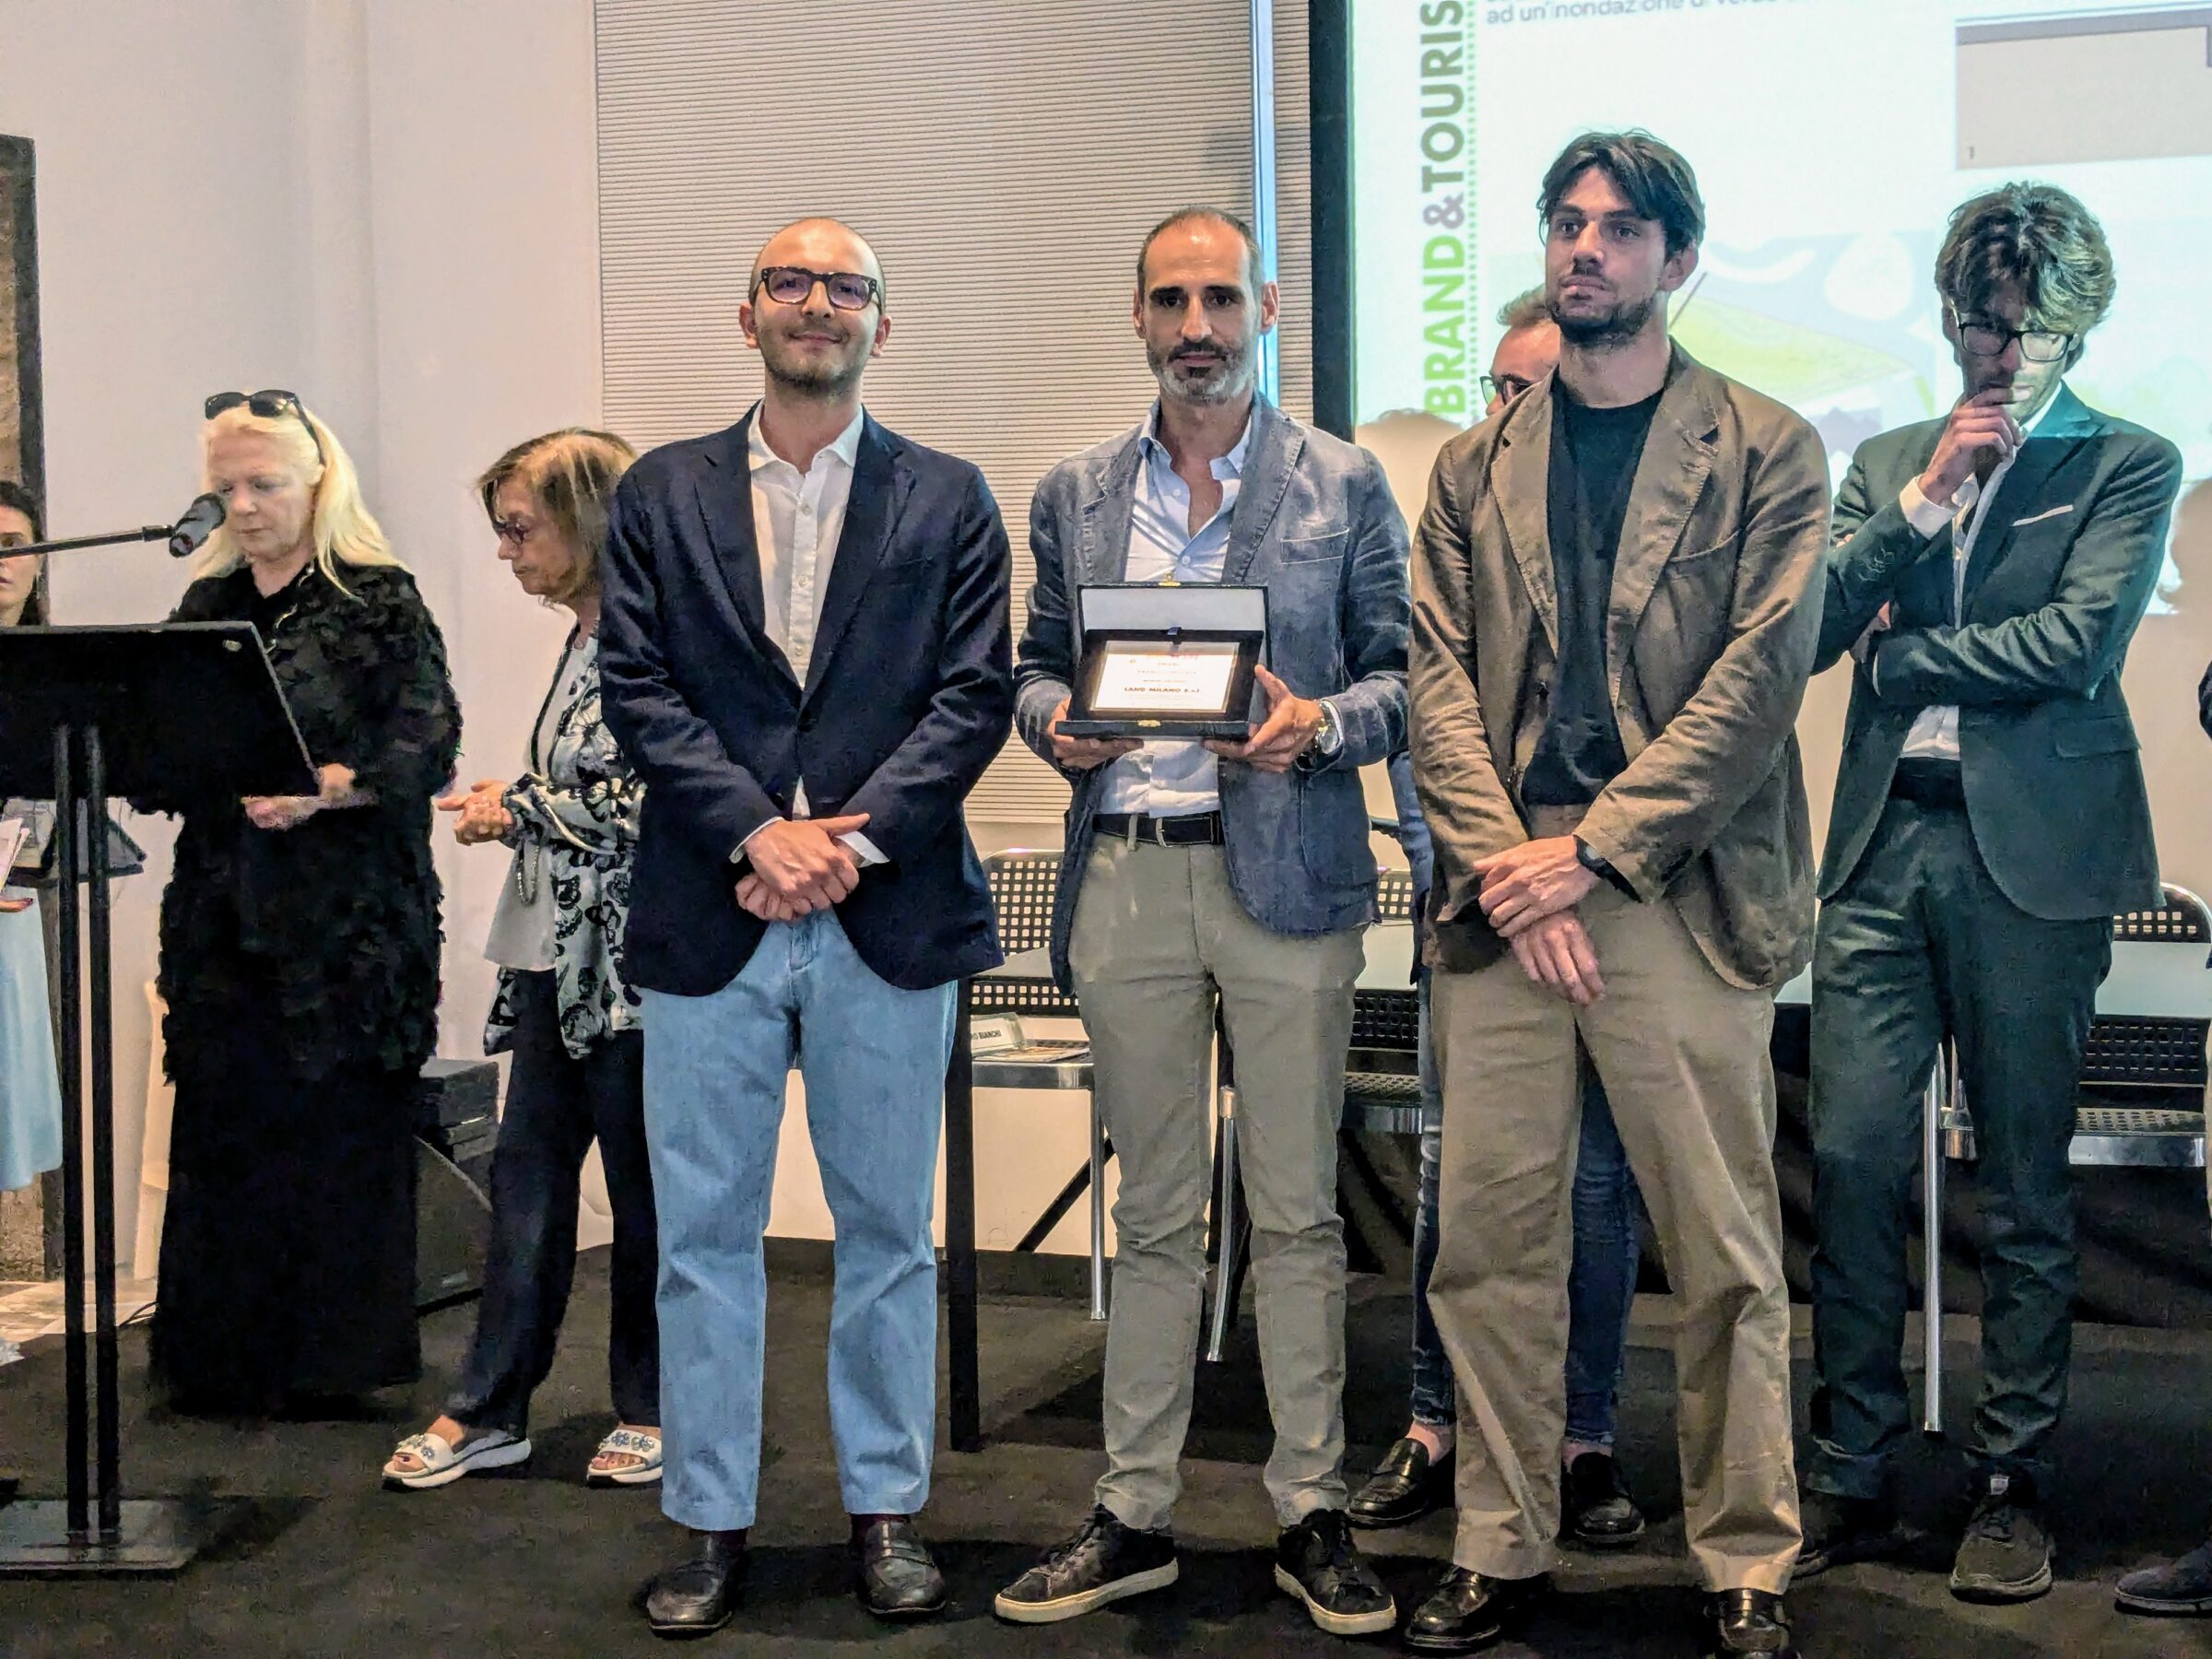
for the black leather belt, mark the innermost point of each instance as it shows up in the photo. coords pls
(1935, 783)
(1192, 829)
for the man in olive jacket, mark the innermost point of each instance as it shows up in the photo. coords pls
(1616, 607)
(1989, 820)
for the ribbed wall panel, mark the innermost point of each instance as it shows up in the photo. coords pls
(1004, 157)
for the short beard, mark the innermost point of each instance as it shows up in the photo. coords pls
(1233, 380)
(1611, 332)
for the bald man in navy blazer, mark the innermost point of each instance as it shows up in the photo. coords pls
(806, 658)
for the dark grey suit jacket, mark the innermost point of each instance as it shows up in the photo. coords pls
(2065, 561)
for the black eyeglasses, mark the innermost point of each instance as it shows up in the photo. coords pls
(1981, 339)
(790, 285)
(271, 405)
(1508, 386)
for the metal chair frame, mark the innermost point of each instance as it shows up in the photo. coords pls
(2162, 1057)
(1023, 881)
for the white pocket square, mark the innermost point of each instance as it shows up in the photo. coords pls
(2037, 518)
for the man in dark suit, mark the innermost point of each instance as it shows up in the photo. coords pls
(1990, 819)
(806, 657)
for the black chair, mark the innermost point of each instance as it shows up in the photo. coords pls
(1022, 885)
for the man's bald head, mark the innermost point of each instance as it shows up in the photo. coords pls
(820, 245)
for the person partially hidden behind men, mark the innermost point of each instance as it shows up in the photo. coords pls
(1228, 877)
(1615, 610)
(1989, 818)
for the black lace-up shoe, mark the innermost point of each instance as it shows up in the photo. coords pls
(2006, 1555)
(1466, 1611)
(1102, 1562)
(1405, 1486)
(1317, 1561)
(1839, 1531)
(1596, 1511)
(1748, 1621)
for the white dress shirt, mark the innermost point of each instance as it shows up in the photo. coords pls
(797, 518)
(1173, 779)
(1934, 734)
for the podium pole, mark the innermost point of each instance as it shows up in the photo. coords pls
(49, 1540)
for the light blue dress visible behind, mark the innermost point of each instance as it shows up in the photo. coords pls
(30, 1091)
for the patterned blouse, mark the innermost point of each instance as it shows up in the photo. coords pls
(576, 830)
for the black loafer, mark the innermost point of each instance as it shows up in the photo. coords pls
(898, 1579)
(1748, 1621)
(1466, 1611)
(1405, 1486)
(696, 1598)
(1597, 1511)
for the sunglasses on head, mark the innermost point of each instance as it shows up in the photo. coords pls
(790, 285)
(271, 405)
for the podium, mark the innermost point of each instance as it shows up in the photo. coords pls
(167, 716)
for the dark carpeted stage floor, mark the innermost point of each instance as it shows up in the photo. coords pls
(322, 1562)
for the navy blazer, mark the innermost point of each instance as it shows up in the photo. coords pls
(907, 700)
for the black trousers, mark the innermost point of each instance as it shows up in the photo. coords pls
(555, 1105)
(1920, 942)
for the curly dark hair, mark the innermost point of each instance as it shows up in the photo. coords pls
(2037, 238)
(1657, 182)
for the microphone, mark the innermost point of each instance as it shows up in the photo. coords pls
(197, 524)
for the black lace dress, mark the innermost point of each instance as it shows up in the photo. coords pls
(300, 969)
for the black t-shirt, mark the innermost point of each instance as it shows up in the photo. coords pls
(1594, 458)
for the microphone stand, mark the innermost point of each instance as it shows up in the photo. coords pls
(114, 538)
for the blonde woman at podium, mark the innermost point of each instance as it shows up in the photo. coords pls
(299, 951)
(564, 1012)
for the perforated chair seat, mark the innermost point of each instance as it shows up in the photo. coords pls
(1382, 1103)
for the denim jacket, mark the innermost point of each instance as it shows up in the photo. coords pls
(1316, 525)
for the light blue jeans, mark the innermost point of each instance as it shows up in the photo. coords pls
(873, 1058)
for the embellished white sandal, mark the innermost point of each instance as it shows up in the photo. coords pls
(426, 1460)
(625, 1443)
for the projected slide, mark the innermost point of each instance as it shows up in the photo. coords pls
(1831, 137)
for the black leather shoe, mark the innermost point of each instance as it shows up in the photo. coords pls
(898, 1579)
(1317, 1561)
(1405, 1486)
(696, 1598)
(1102, 1562)
(1748, 1621)
(2006, 1555)
(1595, 1511)
(1839, 1531)
(1466, 1611)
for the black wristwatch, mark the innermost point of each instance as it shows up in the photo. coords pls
(1601, 867)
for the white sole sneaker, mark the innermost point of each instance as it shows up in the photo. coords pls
(1075, 1606)
(1338, 1623)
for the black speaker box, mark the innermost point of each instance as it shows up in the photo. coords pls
(456, 1128)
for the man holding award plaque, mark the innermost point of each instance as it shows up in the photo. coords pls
(1217, 859)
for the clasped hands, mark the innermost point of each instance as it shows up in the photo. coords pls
(799, 866)
(1293, 724)
(1529, 893)
(483, 816)
(287, 812)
